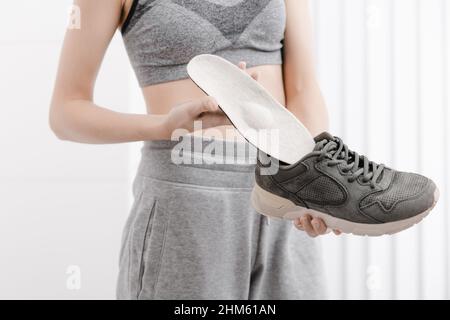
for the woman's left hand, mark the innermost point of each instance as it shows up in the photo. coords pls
(313, 226)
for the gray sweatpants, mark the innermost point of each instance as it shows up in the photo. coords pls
(192, 234)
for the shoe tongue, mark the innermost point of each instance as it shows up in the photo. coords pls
(323, 136)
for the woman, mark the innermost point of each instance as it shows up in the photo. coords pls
(192, 233)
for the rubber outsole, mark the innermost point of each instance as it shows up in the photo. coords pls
(274, 206)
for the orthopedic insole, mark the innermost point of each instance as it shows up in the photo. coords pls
(259, 118)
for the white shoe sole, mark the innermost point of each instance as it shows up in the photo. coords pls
(273, 206)
(260, 119)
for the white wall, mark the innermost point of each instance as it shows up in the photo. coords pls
(61, 204)
(383, 70)
(383, 66)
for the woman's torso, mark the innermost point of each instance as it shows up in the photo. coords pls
(161, 97)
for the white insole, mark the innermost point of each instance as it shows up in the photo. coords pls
(262, 120)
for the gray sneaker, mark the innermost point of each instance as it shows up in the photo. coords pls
(349, 192)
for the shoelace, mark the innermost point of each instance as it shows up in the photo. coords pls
(339, 154)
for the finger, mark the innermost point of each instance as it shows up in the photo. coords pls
(207, 104)
(255, 75)
(211, 103)
(337, 232)
(298, 224)
(319, 226)
(242, 65)
(306, 223)
(214, 120)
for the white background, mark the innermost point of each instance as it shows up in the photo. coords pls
(383, 66)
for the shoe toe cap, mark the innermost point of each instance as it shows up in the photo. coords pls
(407, 206)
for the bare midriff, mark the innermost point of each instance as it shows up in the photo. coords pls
(160, 98)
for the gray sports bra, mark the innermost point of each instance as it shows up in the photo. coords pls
(161, 36)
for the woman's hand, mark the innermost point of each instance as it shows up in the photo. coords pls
(184, 115)
(313, 226)
(205, 110)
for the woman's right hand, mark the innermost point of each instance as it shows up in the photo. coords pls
(184, 115)
(205, 110)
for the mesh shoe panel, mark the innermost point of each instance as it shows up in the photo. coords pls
(323, 190)
(403, 186)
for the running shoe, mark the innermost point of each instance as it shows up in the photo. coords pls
(347, 190)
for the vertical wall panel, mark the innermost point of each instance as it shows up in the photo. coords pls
(432, 152)
(329, 71)
(378, 114)
(383, 67)
(329, 49)
(406, 281)
(446, 122)
(353, 128)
